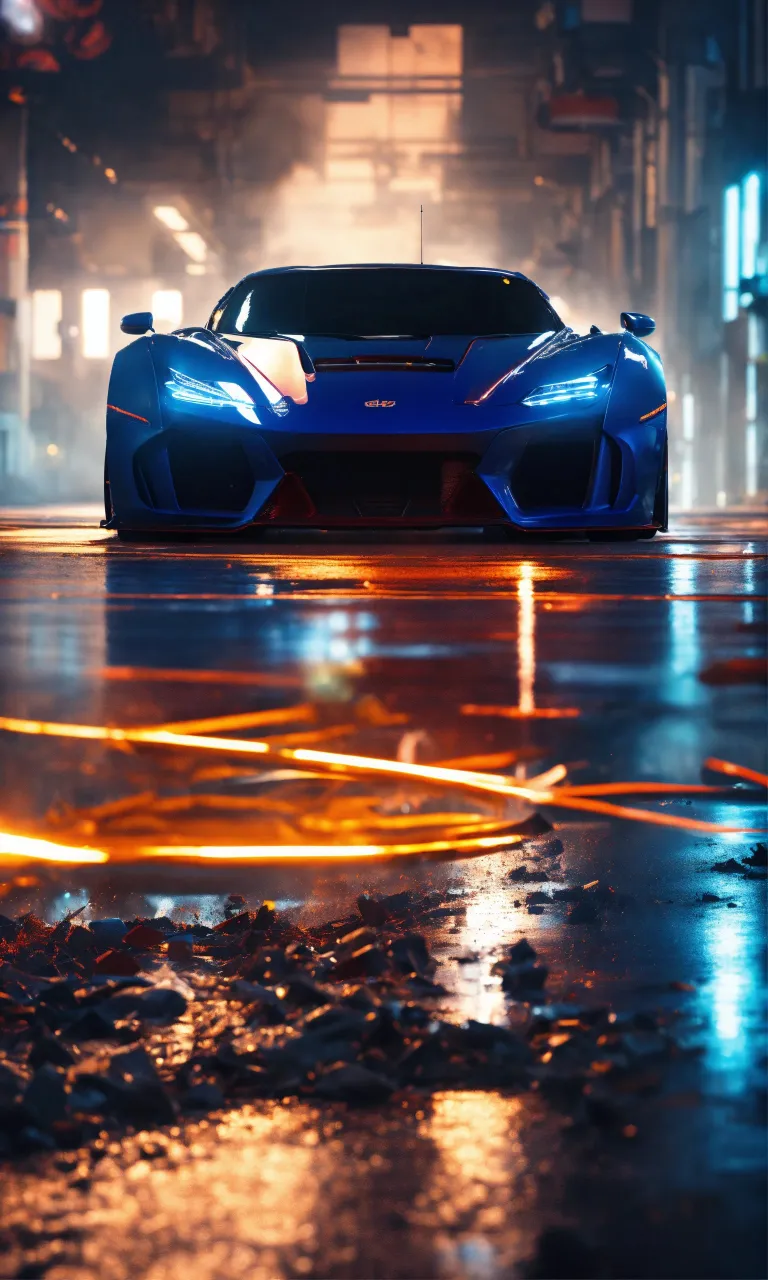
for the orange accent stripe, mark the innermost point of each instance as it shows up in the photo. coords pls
(137, 416)
(653, 412)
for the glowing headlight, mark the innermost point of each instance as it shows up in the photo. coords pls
(587, 388)
(219, 395)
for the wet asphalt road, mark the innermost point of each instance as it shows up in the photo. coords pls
(439, 649)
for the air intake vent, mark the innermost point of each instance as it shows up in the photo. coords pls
(210, 473)
(553, 473)
(383, 364)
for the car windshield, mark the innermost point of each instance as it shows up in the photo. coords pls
(384, 301)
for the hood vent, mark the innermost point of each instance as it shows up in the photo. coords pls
(383, 364)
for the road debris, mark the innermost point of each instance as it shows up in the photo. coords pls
(198, 1018)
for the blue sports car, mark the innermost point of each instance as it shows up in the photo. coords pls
(387, 396)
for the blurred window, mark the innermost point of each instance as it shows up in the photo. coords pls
(167, 309)
(731, 253)
(385, 302)
(46, 319)
(95, 323)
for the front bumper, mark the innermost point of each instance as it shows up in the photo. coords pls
(558, 475)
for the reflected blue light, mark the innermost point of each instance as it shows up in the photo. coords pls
(64, 904)
(732, 994)
(683, 687)
(207, 907)
(340, 636)
(748, 609)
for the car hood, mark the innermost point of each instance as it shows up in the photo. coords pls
(449, 370)
(332, 384)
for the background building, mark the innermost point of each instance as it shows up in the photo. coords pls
(614, 150)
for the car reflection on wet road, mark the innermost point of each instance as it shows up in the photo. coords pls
(623, 663)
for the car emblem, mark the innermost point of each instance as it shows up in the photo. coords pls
(379, 404)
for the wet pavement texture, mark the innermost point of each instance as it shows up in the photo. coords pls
(621, 662)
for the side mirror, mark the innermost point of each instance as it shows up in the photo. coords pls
(635, 322)
(137, 322)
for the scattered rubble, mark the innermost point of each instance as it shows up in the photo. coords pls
(749, 868)
(187, 1018)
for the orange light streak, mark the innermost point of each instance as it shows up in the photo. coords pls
(116, 409)
(473, 822)
(158, 737)
(270, 852)
(548, 779)
(170, 675)
(659, 409)
(647, 815)
(495, 760)
(428, 772)
(245, 720)
(494, 783)
(517, 713)
(46, 850)
(649, 788)
(736, 770)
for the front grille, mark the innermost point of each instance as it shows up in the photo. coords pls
(383, 364)
(553, 473)
(390, 485)
(209, 473)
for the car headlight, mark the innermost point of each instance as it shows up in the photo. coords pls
(589, 387)
(219, 395)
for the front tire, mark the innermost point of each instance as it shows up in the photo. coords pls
(661, 500)
(109, 510)
(621, 535)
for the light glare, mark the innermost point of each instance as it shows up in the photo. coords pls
(170, 217)
(46, 319)
(95, 323)
(193, 245)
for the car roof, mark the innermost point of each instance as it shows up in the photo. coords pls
(386, 266)
(379, 266)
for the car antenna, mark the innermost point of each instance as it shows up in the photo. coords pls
(421, 234)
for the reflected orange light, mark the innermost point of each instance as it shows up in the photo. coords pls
(515, 713)
(165, 675)
(277, 360)
(526, 641)
(46, 850)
